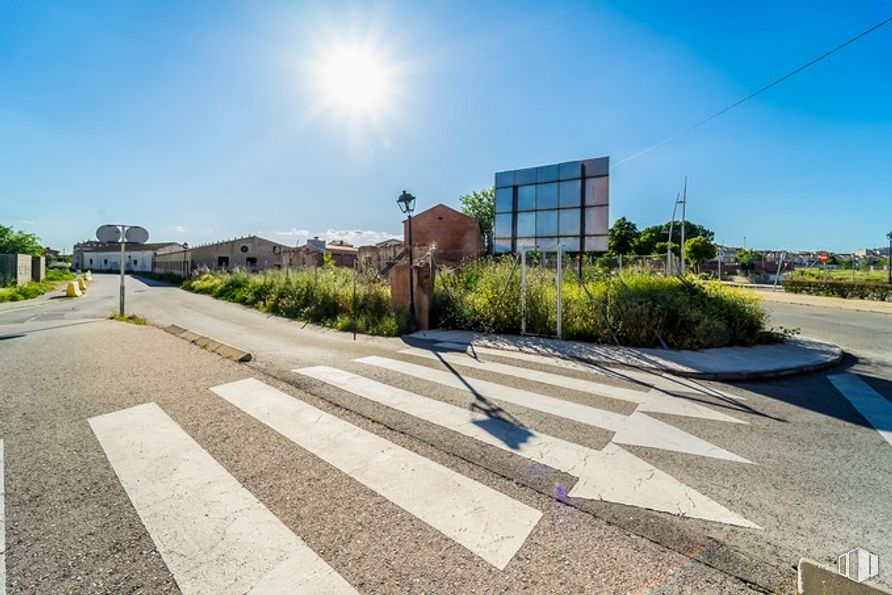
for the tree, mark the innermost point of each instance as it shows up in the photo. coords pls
(661, 248)
(622, 236)
(480, 205)
(647, 241)
(698, 249)
(745, 258)
(19, 242)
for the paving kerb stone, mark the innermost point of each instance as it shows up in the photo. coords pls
(222, 349)
(815, 579)
(796, 356)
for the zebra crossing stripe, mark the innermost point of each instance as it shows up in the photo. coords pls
(613, 474)
(485, 521)
(869, 403)
(652, 401)
(211, 532)
(2, 525)
(637, 429)
(658, 382)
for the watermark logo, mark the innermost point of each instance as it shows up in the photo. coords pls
(859, 565)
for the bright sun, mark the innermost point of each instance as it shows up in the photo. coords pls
(356, 80)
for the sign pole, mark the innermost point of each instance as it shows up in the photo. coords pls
(108, 234)
(123, 248)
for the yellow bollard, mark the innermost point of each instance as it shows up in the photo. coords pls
(82, 285)
(89, 275)
(73, 290)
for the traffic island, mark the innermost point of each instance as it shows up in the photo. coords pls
(795, 356)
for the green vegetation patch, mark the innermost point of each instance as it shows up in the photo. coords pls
(322, 296)
(35, 288)
(635, 307)
(842, 289)
(131, 318)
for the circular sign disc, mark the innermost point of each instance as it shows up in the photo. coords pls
(137, 235)
(109, 233)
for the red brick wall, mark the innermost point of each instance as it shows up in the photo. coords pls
(456, 235)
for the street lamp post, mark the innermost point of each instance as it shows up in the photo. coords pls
(406, 203)
(889, 259)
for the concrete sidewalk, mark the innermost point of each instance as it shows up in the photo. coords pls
(724, 363)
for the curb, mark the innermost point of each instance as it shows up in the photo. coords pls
(222, 349)
(740, 376)
(827, 356)
(755, 374)
(815, 579)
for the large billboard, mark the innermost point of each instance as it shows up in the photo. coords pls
(565, 204)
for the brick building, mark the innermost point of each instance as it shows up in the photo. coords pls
(382, 256)
(456, 236)
(313, 252)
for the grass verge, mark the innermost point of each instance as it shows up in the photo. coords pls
(131, 318)
(35, 289)
(322, 296)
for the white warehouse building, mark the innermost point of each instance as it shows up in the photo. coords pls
(106, 257)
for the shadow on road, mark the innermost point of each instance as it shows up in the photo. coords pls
(499, 422)
(688, 389)
(814, 392)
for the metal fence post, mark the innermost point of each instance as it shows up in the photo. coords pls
(560, 287)
(523, 291)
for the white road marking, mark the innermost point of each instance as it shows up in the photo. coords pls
(613, 474)
(651, 401)
(869, 403)
(2, 525)
(637, 429)
(211, 532)
(657, 382)
(487, 522)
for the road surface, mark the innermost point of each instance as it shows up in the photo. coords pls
(136, 462)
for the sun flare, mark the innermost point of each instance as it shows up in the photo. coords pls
(357, 80)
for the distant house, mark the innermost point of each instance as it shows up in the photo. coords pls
(455, 236)
(251, 253)
(313, 253)
(106, 257)
(382, 256)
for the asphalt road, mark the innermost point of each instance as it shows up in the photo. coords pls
(89, 513)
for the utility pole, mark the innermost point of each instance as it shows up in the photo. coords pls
(684, 204)
(669, 243)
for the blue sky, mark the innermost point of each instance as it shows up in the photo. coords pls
(206, 120)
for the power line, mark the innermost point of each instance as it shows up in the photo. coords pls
(755, 93)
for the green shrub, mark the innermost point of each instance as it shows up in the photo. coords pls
(35, 289)
(322, 296)
(635, 307)
(842, 289)
(57, 275)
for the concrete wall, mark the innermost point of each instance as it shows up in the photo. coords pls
(424, 290)
(38, 268)
(15, 269)
(456, 235)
